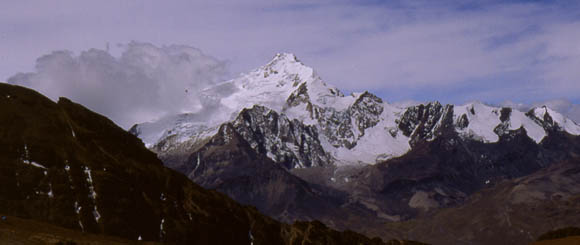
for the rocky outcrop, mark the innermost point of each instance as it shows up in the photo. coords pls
(366, 111)
(287, 142)
(425, 122)
(343, 128)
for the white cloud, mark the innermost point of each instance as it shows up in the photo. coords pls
(146, 82)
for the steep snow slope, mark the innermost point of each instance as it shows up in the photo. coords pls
(552, 119)
(519, 119)
(483, 120)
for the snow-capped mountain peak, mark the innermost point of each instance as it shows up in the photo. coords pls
(290, 114)
(288, 63)
(282, 69)
(271, 84)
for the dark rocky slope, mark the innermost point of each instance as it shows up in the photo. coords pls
(63, 164)
(560, 233)
(516, 211)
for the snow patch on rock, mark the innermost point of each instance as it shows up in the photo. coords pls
(482, 121)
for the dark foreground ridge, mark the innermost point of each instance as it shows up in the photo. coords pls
(560, 233)
(62, 164)
(564, 236)
(515, 211)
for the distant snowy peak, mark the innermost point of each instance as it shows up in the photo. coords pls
(488, 123)
(478, 121)
(552, 120)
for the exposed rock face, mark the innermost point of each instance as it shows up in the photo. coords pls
(425, 122)
(463, 122)
(337, 127)
(285, 141)
(63, 164)
(366, 111)
(299, 96)
(424, 116)
(343, 128)
(503, 127)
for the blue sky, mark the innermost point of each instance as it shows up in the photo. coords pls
(451, 51)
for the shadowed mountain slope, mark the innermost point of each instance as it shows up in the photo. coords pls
(515, 211)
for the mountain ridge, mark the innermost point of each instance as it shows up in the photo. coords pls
(290, 88)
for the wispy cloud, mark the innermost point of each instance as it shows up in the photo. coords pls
(144, 83)
(497, 50)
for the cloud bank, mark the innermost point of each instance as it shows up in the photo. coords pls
(144, 83)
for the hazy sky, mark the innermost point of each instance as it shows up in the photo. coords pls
(452, 51)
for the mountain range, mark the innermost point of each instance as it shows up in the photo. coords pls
(281, 139)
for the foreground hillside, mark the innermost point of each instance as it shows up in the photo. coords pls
(564, 236)
(18, 231)
(65, 165)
